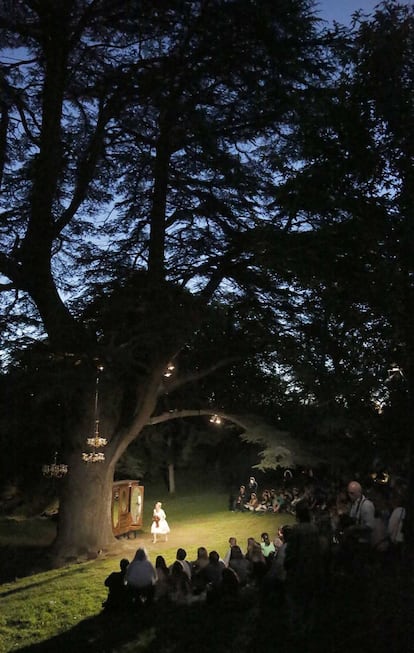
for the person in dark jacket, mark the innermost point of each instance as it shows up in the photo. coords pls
(115, 582)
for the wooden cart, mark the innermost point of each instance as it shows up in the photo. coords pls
(127, 508)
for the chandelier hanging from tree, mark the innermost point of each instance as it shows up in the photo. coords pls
(55, 469)
(96, 441)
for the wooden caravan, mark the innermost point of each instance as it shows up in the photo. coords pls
(127, 509)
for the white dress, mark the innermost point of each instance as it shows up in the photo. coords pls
(160, 528)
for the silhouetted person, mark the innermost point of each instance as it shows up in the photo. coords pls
(141, 578)
(118, 596)
(304, 573)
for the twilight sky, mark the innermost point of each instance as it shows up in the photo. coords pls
(341, 10)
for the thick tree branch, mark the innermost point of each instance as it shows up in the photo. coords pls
(86, 168)
(279, 447)
(174, 384)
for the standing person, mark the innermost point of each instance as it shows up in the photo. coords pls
(141, 577)
(356, 531)
(395, 529)
(304, 569)
(242, 498)
(362, 513)
(252, 487)
(159, 524)
(232, 542)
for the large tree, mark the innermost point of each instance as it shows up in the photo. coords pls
(356, 194)
(135, 184)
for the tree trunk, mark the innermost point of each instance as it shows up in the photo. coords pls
(85, 520)
(84, 526)
(171, 478)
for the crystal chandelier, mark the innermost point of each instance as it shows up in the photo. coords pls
(55, 470)
(93, 457)
(96, 441)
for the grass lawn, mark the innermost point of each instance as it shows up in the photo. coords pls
(60, 610)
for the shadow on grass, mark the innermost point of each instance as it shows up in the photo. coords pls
(364, 614)
(100, 634)
(200, 628)
(18, 561)
(348, 619)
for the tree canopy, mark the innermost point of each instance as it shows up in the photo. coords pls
(159, 161)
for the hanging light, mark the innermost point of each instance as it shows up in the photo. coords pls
(215, 419)
(169, 370)
(96, 441)
(55, 470)
(93, 457)
(394, 373)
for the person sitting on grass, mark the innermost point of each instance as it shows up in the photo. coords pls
(141, 578)
(181, 558)
(274, 580)
(230, 584)
(278, 502)
(255, 555)
(252, 503)
(163, 575)
(197, 579)
(213, 574)
(115, 582)
(268, 548)
(265, 504)
(240, 565)
(179, 585)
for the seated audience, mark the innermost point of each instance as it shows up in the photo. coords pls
(278, 502)
(255, 556)
(268, 548)
(265, 503)
(118, 596)
(274, 580)
(179, 586)
(181, 558)
(230, 584)
(252, 503)
(297, 495)
(163, 574)
(240, 565)
(141, 578)
(198, 581)
(213, 574)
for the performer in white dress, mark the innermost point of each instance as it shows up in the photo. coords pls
(159, 524)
